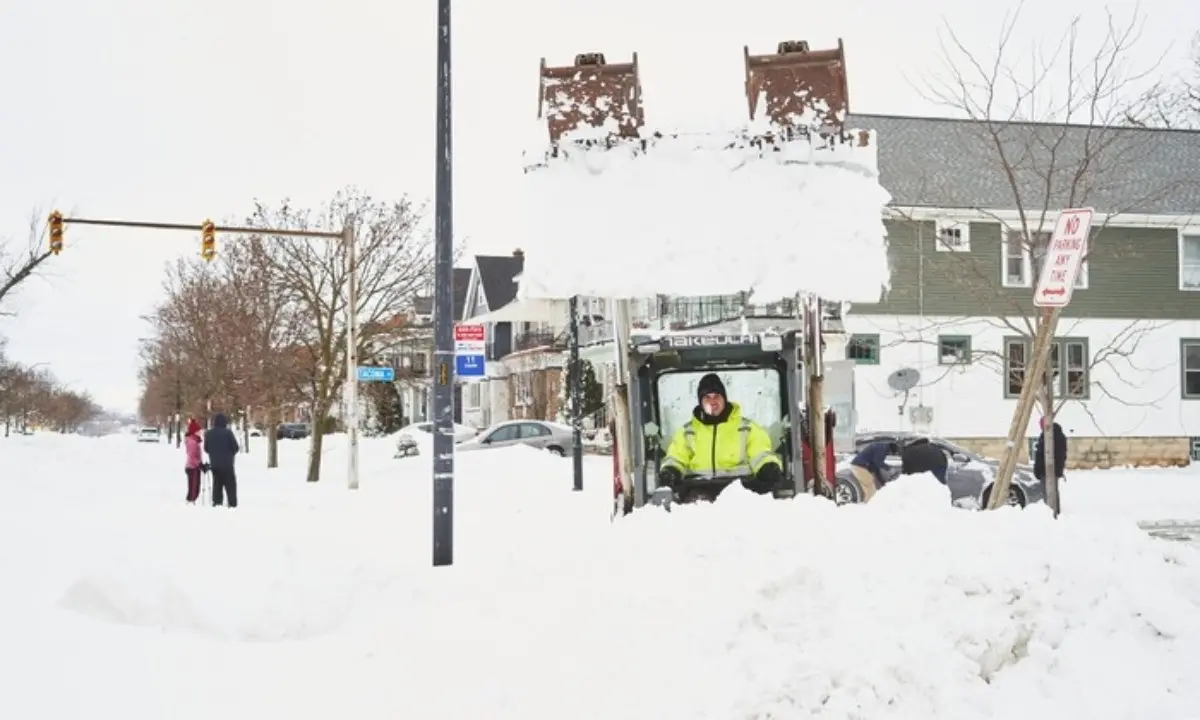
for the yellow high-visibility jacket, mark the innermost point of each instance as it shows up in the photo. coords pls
(737, 447)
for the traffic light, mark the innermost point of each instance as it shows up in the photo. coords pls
(208, 241)
(56, 232)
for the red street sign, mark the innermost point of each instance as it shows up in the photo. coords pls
(470, 333)
(1064, 259)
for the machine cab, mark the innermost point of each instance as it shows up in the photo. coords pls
(762, 373)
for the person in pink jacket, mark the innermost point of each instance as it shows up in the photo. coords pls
(193, 464)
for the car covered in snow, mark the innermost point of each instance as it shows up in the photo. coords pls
(149, 434)
(968, 475)
(543, 434)
(407, 437)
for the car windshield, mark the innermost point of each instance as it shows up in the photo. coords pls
(756, 390)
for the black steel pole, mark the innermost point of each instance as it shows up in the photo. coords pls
(575, 378)
(443, 309)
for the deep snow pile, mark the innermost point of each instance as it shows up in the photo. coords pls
(312, 601)
(699, 210)
(692, 217)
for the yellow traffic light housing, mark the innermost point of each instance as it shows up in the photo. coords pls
(56, 232)
(208, 241)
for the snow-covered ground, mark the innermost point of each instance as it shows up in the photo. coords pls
(312, 601)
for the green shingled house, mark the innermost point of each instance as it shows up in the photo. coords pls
(973, 206)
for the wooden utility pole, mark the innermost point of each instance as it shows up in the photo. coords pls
(623, 442)
(1034, 369)
(1056, 283)
(815, 366)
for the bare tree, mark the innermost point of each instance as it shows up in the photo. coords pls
(395, 261)
(192, 335)
(1188, 97)
(224, 337)
(265, 334)
(1174, 103)
(1056, 134)
(19, 265)
(30, 396)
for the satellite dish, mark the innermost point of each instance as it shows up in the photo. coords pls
(904, 379)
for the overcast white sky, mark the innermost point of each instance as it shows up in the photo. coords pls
(183, 110)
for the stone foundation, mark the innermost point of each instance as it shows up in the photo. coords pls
(1086, 453)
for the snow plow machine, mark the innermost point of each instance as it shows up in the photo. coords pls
(795, 95)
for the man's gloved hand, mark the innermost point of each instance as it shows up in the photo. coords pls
(669, 476)
(769, 476)
(205, 467)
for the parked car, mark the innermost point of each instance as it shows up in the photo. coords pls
(149, 434)
(543, 434)
(968, 475)
(406, 438)
(293, 431)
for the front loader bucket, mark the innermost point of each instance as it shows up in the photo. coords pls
(606, 168)
(591, 93)
(803, 90)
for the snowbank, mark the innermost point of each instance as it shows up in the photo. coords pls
(311, 601)
(694, 216)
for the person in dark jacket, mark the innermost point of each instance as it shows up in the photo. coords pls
(869, 466)
(222, 446)
(920, 455)
(1060, 452)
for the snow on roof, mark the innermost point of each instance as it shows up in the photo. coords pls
(692, 217)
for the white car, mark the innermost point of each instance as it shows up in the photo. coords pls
(149, 434)
(406, 439)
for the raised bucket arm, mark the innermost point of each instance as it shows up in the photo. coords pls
(590, 93)
(803, 90)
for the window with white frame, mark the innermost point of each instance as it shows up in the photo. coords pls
(1189, 365)
(953, 236)
(1069, 367)
(1189, 259)
(1021, 260)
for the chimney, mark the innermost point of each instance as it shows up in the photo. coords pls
(518, 253)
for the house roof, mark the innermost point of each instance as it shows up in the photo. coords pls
(460, 283)
(949, 163)
(496, 273)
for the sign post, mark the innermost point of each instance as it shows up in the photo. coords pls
(443, 305)
(1056, 284)
(470, 343)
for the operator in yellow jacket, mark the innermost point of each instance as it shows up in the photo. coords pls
(718, 442)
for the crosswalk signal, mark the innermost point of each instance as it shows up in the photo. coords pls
(56, 232)
(208, 241)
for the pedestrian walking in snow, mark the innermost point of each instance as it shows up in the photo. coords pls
(222, 447)
(194, 463)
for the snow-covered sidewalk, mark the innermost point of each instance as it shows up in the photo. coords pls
(312, 601)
